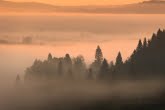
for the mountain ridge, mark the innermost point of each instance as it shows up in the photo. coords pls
(145, 7)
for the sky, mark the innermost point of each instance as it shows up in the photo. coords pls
(83, 2)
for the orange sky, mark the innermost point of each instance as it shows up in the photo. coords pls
(84, 2)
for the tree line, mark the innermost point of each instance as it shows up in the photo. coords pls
(148, 59)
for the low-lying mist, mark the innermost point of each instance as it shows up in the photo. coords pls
(25, 38)
(81, 94)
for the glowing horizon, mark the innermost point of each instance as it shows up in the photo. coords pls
(82, 2)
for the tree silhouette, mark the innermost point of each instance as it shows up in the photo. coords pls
(111, 65)
(79, 64)
(68, 59)
(50, 57)
(148, 58)
(140, 46)
(145, 43)
(119, 59)
(95, 66)
(67, 62)
(104, 70)
(60, 68)
(99, 55)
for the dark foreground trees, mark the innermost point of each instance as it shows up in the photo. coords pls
(148, 59)
(104, 70)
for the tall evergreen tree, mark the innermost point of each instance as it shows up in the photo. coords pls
(98, 60)
(68, 59)
(104, 70)
(111, 65)
(50, 57)
(145, 43)
(68, 62)
(153, 37)
(140, 46)
(99, 55)
(79, 64)
(159, 32)
(119, 59)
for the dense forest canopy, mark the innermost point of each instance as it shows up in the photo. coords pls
(148, 59)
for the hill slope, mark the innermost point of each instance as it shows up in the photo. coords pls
(147, 7)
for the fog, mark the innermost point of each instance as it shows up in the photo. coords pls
(82, 94)
(24, 38)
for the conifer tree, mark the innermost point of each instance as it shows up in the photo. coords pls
(111, 65)
(159, 32)
(140, 46)
(119, 59)
(104, 69)
(68, 62)
(145, 43)
(99, 55)
(50, 57)
(68, 59)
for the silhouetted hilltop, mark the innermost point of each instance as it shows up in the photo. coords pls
(9, 6)
(154, 2)
(146, 7)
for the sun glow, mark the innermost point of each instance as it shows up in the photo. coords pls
(82, 2)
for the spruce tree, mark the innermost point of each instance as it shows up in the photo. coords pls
(140, 46)
(145, 43)
(50, 57)
(68, 59)
(119, 59)
(99, 55)
(104, 69)
(68, 62)
(111, 65)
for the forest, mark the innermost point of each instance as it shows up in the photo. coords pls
(146, 61)
(68, 83)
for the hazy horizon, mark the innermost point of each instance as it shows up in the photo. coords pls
(25, 38)
(82, 54)
(89, 7)
(80, 2)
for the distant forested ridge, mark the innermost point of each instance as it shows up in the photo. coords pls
(147, 60)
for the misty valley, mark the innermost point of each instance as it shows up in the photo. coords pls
(67, 83)
(147, 60)
(82, 61)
